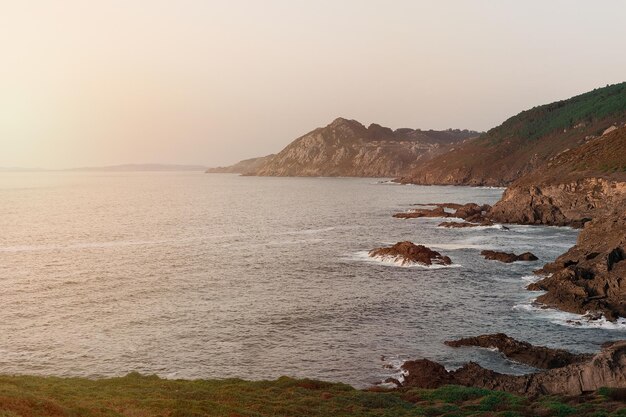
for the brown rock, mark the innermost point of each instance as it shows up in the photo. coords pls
(605, 369)
(424, 373)
(523, 352)
(590, 276)
(507, 257)
(413, 214)
(408, 253)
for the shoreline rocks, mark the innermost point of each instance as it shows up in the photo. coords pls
(591, 276)
(508, 257)
(407, 253)
(523, 352)
(470, 212)
(586, 373)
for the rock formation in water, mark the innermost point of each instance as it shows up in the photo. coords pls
(408, 253)
(505, 257)
(579, 373)
(463, 225)
(470, 212)
(584, 186)
(526, 141)
(348, 148)
(245, 167)
(523, 352)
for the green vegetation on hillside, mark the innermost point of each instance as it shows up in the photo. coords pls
(136, 395)
(599, 104)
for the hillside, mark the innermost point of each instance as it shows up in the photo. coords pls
(526, 141)
(145, 396)
(348, 148)
(246, 166)
(583, 186)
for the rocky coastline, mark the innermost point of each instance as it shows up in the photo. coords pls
(582, 188)
(564, 373)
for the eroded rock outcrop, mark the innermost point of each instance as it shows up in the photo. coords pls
(470, 212)
(507, 257)
(583, 187)
(591, 276)
(585, 374)
(407, 253)
(523, 352)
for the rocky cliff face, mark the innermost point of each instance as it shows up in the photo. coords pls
(247, 166)
(585, 186)
(348, 148)
(570, 375)
(573, 187)
(526, 141)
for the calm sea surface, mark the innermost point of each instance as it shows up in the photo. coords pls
(189, 275)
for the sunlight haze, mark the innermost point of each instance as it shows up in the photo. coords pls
(213, 82)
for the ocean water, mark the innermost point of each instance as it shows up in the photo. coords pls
(189, 275)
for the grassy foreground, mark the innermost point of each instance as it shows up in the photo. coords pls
(138, 396)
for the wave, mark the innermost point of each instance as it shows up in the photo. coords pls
(494, 226)
(563, 318)
(397, 262)
(530, 279)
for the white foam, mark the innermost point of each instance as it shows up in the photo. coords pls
(397, 261)
(493, 226)
(532, 278)
(394, 365)
(563, 318)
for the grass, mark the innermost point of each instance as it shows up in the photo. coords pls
(140, 396)
(599, 104)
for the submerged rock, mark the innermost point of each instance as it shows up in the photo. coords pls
(407, 253)
(465, 224)
(417, 213)
(507, 257)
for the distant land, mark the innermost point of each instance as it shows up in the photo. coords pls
(498, 157)
(242, 167)
(347, 148)
(114, 168)
(142, 167)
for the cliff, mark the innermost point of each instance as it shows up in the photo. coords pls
(242, 167)
(526, 141)
(584, 186)
(348, 148)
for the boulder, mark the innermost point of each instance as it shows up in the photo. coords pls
(507, 257)
(407, 253)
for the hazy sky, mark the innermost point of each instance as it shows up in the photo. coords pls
(212, 82)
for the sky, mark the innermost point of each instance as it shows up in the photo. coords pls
(89, 83)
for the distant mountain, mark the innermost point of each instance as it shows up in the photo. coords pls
(247, 166)
(348, 148)
(142, 167)
(526, 141)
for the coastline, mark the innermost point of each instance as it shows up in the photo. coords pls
(139, 395)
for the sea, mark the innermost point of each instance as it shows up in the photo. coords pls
(192, 275)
